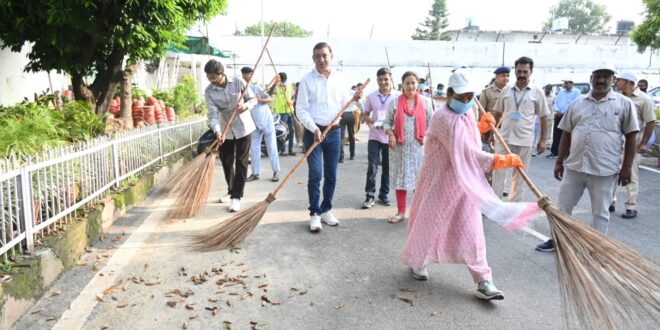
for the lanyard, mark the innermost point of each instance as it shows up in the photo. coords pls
(518, 101)
(383, 100)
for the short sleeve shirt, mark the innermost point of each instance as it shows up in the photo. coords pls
(597, 132)
(519, 109)
(644, 106)
(489, 96)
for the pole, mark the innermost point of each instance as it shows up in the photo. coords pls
(262, 41)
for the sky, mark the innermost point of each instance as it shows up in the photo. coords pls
(397, 20)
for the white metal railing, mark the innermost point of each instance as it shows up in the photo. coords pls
(37, 196)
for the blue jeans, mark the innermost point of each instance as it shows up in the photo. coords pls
(376, 151)
(322, 162)
(288, 119)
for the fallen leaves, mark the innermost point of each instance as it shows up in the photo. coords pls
(152, 282)
(110, 290)
(173, 303)
(99, 298)
(408, 290)
(339, 306)
(434, 313)
(178, 292)
(406, 299)
(37, 310)
(214, 310)
(190, 307)
(53, 294)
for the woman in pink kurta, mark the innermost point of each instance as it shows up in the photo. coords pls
(452, 193)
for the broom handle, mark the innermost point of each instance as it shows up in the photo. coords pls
(499, 138)
(216, 145)
(283, 90)
(316, 143)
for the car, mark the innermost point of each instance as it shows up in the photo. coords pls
(654, 93)
(584, 87)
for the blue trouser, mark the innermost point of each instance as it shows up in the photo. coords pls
(288, 119)
(268, 135)
(322, 162)
(376, 151)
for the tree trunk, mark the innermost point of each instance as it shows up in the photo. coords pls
(80, 91)
(105, 83)
(126, 94)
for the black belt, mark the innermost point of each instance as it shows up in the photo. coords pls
(322, 128)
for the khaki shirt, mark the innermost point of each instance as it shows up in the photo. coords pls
(645, 112)
(597, 132)
(531, 102)
(489, 96)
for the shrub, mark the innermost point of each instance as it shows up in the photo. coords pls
(185, 97)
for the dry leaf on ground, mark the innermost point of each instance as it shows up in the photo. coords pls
(53, 294)
(152, 282)
(214, 310)
(110, 290)
(434, 313)
(99, 298)
(37, 310)
(190, 307)
(408, 290)
(338, 306)
(406, 299)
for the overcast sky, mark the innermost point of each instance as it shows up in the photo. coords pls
(397, 20)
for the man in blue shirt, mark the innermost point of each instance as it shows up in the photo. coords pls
(563, 100)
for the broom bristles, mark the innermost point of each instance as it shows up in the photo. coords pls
(233, 230)
(604, 284)
(179, 178)
(193, 190)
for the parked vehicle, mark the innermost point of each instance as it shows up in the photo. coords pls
(654, 93)
(281, 134)
(583, 87)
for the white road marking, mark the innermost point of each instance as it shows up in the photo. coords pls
(536, 234)
(649, 169)
(80, 309)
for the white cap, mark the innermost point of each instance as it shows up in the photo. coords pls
(570, 79)
(627, 75)
(459, 82)
(605, 66)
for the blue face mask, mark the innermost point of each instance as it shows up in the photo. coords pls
(460, 107)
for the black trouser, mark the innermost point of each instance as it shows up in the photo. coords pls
(235, 173)
(378, 153)
(556, 135)
(347, 122)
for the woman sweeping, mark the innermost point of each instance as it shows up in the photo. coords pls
(452, 192)
(406, 123)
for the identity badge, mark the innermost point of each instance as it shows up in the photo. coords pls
(515, 116)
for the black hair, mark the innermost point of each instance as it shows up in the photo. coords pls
(283, 76)
(440, 85)
(524, 60)
(408, 74)
(322, 45)
(214, 66)
(450, 91)
(383, 71)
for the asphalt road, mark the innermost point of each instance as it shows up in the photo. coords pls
(144, 276)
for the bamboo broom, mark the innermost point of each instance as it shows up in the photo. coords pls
(235, 229)
(604, 284)
(192, 183)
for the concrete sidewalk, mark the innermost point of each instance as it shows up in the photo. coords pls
(144, 276)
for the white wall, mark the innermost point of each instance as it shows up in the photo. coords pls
(360, 59)
(15, 84)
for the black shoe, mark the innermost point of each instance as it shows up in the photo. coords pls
(612, 208)
(551, 156)
(548, 246)
(505, 194)
(352, 157)
(384, 201)
(252, 177)
(629, 214)
(368, 203)
(276, 177)
(292, 153)
(341, 159)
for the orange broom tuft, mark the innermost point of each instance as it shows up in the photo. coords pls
(233, 230)
(191, 184)
(604, 284)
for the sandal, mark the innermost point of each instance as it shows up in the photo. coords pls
(396, 218)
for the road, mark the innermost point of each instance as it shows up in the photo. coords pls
(350, 276)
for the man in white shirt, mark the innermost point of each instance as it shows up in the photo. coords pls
(321, 95)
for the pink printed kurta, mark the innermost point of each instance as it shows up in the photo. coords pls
(451, 194)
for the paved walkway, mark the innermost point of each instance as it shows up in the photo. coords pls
(143, 276)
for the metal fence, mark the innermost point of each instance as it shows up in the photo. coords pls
(39, 195)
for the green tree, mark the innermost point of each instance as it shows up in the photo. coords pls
(583, 15)
(434, 23)
(647, 34)
(90, 39)
(282, 29)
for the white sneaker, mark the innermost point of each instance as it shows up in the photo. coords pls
(315, 224)
(486, 290)
(329, 219)
(235, 205)
(420, 273)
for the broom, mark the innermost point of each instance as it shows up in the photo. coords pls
(192, 183)
(604, 284)
(236, 228)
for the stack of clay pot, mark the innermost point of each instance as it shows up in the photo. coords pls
(150, 115)
(115, 107)
(171, 115)
(160, 112)
(137, 112)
